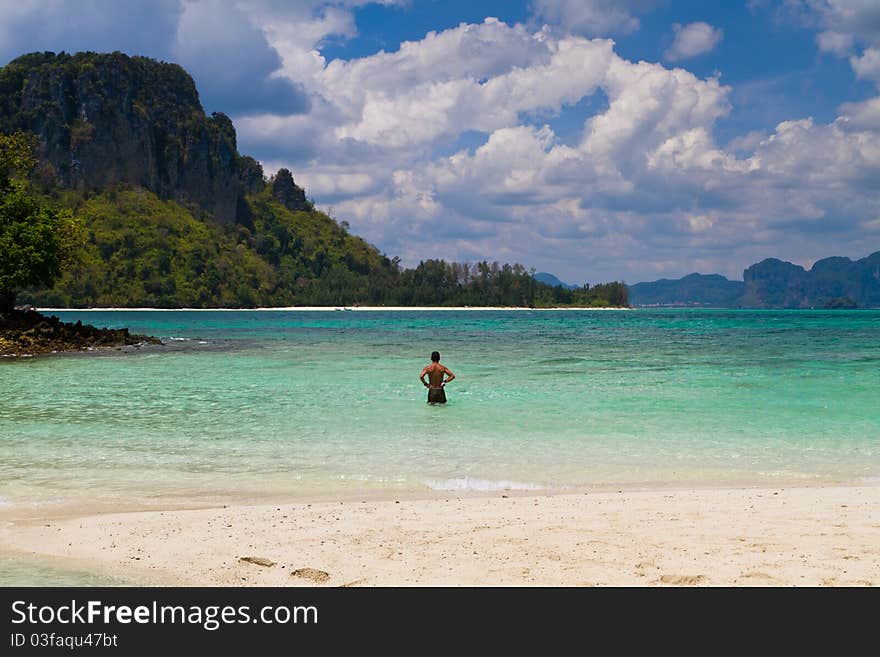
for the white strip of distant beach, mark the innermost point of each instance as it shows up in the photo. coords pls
(325, 309)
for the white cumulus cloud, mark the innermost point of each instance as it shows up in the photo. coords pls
(840, 44)
(867, 65)
(642, 181)
(692, 40)
(591, 17)
(847, 26)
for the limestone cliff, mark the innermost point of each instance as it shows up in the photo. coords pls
(834, 282)
(773, 283)
(106, 119)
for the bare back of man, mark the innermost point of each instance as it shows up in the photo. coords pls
(438, 376)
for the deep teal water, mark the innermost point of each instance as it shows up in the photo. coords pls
(244, 404)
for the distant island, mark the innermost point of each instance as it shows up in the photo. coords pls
(172, 215)
(833, 283)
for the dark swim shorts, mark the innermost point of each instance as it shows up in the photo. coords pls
(436, 396)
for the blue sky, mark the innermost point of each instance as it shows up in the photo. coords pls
(594, 139)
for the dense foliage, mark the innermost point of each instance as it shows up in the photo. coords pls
(439, 283)
(35, 238)
(142, 251)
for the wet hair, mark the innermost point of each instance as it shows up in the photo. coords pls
(435, 356)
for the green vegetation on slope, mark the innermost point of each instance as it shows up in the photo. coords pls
(35, 238)
(140, 251)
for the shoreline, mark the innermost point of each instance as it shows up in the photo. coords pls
(60, 508)
(330, 309)
(778, 536)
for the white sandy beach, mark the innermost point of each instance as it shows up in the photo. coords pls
(811, 536)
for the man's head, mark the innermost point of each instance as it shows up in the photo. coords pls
(435, 356)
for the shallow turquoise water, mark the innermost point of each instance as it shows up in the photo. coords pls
(17, 571)
(248, 404)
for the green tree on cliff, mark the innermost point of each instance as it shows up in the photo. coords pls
(35, 239)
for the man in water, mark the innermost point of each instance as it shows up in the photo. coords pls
(435, 372)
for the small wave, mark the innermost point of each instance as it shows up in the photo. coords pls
(5, 501)
(180, 339)
(467, 483)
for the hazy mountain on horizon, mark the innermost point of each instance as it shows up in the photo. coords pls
(834, 282)
(550, 279)
(695, 289)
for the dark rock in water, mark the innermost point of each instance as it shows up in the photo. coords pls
(27, 332)
(288, 193)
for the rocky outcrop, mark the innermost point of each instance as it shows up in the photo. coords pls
(107, 119)
(250, 174)
(27, 333)
(773, 283)
(287, 193)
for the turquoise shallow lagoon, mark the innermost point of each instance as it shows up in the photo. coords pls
(16, 571)
(261, 404)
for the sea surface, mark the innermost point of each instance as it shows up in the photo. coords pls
(252, 405)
